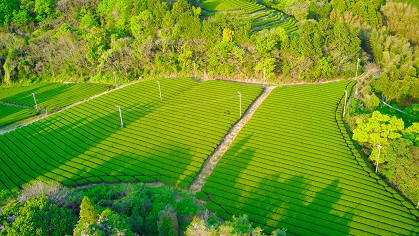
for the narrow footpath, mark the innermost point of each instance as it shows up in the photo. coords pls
(213, 159)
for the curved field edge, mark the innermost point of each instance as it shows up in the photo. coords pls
(223, 205)
(362, 162)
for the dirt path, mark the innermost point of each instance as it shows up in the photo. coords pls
(44, 115)
(213, 159)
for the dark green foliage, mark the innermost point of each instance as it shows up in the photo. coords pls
(400, 79)
(344, 46)
(5, 195)
(367, 11)
(402, 167)
(168, 222)
(241, 225)
(44, 9)
(153, 37)
(321, 51)
(138, 38)
(138, 207)
(7, 8)
(92, 222)
(117, 210)
(36, 216)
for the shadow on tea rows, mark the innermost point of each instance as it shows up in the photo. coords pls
(274, 202)
(61, 150)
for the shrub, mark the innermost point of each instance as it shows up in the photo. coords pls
(168, 223)
(54, 190)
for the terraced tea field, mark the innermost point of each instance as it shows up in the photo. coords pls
(259, 16)
(52, 95)
(291, 166)
(162, 140)
(230, 5)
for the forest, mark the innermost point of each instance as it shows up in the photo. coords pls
(64, 40)
(131, 209)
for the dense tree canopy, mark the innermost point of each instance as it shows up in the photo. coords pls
(35, 217)
(129, 209)
(66, 41)
(399, 151)
(62, 40)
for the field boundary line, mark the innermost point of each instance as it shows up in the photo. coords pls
(45, 115)
(395, 193)
(216, 155)
(276, 84)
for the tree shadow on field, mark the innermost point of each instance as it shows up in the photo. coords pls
(41, 96)
(133, 113)
(275, 199)
(229, 161)
(289, 203)
(64, 139)
(24, 95)
(44, 97)
(232, 166)
(172, 161)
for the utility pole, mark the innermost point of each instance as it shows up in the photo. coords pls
(114, 77)
(379, 151)
(120, 116)
(344, 107)
(194, 69)
(158, 83)
(240, 97)
(264, 74)
(36, 104)
(357, 66)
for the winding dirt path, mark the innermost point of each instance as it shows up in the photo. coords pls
(213, 159)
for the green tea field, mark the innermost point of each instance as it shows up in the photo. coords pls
(51, 95)
(11, 114)
(161, 140)
(293, 166)
(259, 16)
